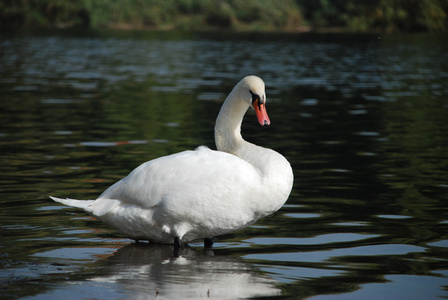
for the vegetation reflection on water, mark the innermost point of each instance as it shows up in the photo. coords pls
(362, 119)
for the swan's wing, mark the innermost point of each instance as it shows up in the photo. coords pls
(202, 173)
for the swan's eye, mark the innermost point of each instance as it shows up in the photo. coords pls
(254, 97)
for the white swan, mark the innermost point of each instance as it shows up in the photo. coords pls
(201, 193)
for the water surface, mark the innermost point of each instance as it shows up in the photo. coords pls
(361, 118)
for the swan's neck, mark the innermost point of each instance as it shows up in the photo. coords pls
(274, 170)
(228, 124)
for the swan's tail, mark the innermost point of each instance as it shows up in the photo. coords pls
(84, 204)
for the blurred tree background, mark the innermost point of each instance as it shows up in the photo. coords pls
(265, 15)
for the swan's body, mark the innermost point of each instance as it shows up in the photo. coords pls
(201, 193)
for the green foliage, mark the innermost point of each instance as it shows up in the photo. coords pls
(42, 13)
(386, 15)
(189, 14)
(352, 15)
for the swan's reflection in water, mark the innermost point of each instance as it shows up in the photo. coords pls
(146, 271)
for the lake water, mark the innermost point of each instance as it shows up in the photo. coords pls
(363, 119)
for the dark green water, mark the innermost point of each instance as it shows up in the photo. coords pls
(361, 118)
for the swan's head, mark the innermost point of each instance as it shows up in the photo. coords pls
(252, 90)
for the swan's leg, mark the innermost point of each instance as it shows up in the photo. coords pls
(177, 246)
(208, 243)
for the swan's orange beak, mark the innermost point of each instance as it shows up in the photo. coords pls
(260, 111)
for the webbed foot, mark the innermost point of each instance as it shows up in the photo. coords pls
(178, 245)
(208, 243)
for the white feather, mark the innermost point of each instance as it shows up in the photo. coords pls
(201, 193)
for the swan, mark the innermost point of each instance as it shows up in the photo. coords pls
(201, 193)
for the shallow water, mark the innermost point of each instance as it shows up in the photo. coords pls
(361, 118)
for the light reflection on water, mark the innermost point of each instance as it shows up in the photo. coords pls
(361, 119)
